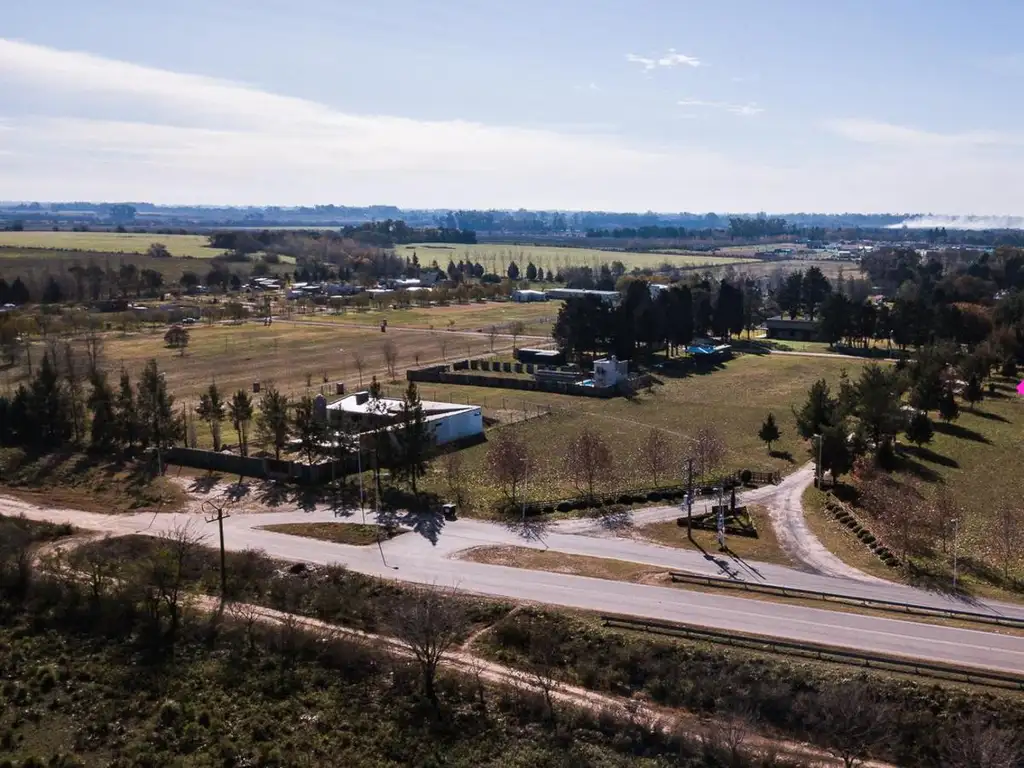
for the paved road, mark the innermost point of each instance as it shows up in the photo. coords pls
(425, 557)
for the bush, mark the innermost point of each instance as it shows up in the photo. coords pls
(654, 496)
(746, 476)
(548, 509)
(868, 538)
(563, 506)
(625, 499)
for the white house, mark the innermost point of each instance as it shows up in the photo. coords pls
(448, 421)
(529, 295)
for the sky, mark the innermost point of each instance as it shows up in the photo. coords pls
(664, 105)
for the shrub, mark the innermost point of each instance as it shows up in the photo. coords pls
(868, 538)
(548, 509)
(654, 496)
(746, 476)
(564, 506)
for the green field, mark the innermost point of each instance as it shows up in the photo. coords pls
(495, 257)
(193, 246)
(734, 399)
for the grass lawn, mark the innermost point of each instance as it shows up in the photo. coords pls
(560, 562)
(495, 257)
(977, 460)
(193, 246)
(734, 399)
(356, 534)
(765, 548)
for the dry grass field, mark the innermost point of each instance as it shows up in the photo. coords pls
(290, 354)
(734, 399)
(192, 246)
(537, 317)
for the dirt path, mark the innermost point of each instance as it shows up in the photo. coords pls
(785, 506)
(638, 711)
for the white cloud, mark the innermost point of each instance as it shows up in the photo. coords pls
(100, 129)
(888, 134)
(668, 60)
(743, 110)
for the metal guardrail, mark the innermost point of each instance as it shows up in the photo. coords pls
(867, 602)
(974, 676)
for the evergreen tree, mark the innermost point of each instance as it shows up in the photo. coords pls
(211, 410)
(769, 432)
(789, 295)
(540, 275)
(241, 417)
(52, 293)
(159, 427)
(948, 408)
(126, 416)
(415, 439)
(973, 392)
(104, 427)
(309, 429)
(513, 271)
(878, 403)
(814, 287)
(836, 455)
(531, 272)
(272, 424)
(49, 413)
(19, 292)
(919, 429)
(818, 412)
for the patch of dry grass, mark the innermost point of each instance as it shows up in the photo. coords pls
(765, 548)
(560, 562)
(354, 534)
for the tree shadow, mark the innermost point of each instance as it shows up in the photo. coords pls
(206, 483)
(237, 491)
(956, 430)
(784, 455)
(530, 529)
(274, 494)
(927, 454)
(989, 416)
(915, 468)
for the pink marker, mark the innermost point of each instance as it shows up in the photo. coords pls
(1020, 388)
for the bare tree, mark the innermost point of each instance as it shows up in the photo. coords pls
(492, 335)
(247, 616)
(516, 329)
(846, 720)
(164, 579)
(442, 344)
(546, 669)
(360, 363)
(430, 624)
(976, 743)
(1008, 536)
(944, 515)
(724, 739)
(588, 461)
(708, 450)
(454, 476)
(390, 351)
(509, 463)
(655, 453)
(93, 351)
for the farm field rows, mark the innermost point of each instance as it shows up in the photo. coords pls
(540, 316)
(193, 246)
(495, 257)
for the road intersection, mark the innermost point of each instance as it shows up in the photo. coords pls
(429, 555)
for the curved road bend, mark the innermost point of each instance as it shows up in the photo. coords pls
(412, 558)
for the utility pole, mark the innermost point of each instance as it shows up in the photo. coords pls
(956, 530)
(818, 474)
(721, 517)
(689, 499)
(218, 515)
